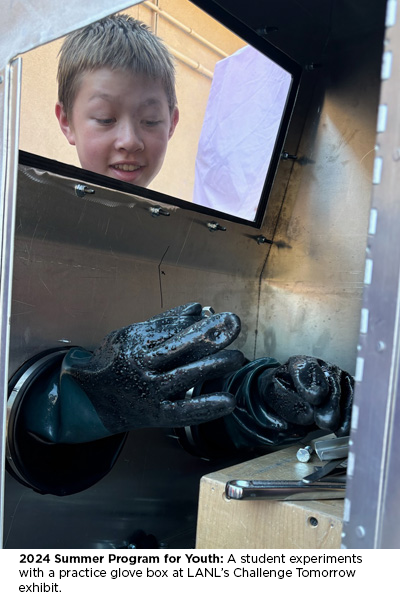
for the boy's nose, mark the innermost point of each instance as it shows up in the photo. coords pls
(129, 138)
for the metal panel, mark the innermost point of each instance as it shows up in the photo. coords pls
(27, 24)
(11, 81)
(82, 268)
(24, 25)
(85, 266)
(312, 283)
(372, 508)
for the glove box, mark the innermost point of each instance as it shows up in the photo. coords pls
(85, 255)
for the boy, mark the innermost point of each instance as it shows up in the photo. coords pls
(116, 98)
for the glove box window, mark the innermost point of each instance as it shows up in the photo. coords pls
(235, 96)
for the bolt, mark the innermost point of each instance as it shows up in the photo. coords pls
(156, 211)
(304, 454)
(267, 30)
(313, 66)
(213, 226)
(261, 239)
(287, 156)
(81, 190)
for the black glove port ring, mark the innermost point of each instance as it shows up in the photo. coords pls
(59, 469)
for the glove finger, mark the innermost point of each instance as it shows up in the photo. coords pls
(327, 416)
(181, 379)
(194, 411)
(203, 338)
(168, 326)
(146, 335)
(346, 402)
(308, 379)
(277, 391)
(190, 309)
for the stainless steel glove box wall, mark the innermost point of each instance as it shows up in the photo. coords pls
(84, 266)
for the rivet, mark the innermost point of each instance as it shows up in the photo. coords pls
(380, 346)
(360, 531)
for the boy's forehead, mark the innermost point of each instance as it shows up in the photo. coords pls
(110, 85)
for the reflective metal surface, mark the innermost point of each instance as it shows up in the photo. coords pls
(85, 266)
(313, 280)
(372, 504)
(283, 490)
(9, 100)
(153, 487)
(27, 24)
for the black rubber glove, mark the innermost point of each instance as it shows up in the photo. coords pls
(138, 377)
(309, 392)
(276, 404)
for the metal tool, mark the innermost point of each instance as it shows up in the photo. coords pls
(316, 486)
(320, 473)
(283, 490)
(332, 448)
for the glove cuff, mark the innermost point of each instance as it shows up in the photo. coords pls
(58, 411)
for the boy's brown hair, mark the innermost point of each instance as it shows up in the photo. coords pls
(116, 42)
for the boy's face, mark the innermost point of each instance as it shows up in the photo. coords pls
(120, 124)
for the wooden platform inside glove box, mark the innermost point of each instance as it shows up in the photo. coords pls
(234, 524)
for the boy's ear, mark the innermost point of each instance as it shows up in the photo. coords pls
(64, 123)
(174, 121)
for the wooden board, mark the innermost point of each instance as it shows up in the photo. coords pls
(232, 524)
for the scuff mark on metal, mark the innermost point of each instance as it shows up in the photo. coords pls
(159, 276)
(184, 242)
(47, 287)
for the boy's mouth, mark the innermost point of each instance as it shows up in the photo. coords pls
(125, 167)
(128, 172)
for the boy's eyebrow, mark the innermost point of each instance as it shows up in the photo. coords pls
(101, 95)
(153, 100)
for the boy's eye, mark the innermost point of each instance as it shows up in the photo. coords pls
(150, 123)
(105, 121)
